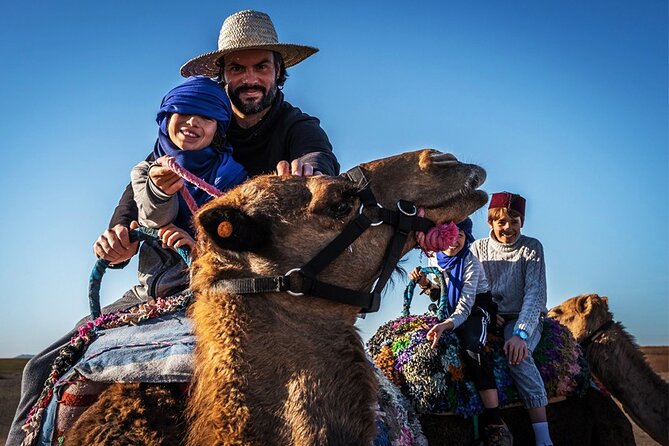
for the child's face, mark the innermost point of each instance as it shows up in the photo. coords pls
(506, 229)
(191, 132)
(457, 246)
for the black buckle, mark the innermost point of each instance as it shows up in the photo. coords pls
(357, 176)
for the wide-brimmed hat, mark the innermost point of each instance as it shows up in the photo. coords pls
(246, 30)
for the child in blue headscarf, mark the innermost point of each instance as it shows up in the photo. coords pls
(470, 311)
(193, 119)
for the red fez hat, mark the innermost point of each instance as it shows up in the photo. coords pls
(509, 201)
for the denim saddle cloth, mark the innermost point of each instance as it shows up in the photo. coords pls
(156, 350)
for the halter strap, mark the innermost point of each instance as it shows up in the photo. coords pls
(585, 343)
(404, 220)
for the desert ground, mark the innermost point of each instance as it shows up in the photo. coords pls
(10, 382)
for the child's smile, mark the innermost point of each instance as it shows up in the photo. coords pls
(506, 229)
(191, 132)
(457, 246)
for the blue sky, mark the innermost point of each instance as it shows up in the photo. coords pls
(564, 102)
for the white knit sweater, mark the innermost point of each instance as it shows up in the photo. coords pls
(517, 276)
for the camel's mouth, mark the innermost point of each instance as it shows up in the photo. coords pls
(458, 205)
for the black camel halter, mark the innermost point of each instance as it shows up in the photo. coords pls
(302, 280)
(592, 337)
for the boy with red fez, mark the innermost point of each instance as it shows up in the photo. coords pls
(514, 265)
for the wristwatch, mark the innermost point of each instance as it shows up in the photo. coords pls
(522, 334)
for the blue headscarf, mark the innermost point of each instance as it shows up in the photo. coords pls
(201, 96)
(454, 266)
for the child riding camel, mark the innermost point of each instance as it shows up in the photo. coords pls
(514, 265)
(469, 296)
(193, 119)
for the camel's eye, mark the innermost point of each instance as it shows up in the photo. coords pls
(556, 311)
(341, 208)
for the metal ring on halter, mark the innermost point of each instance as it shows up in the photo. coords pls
(376, 223)
(409, 214)
(293, 293)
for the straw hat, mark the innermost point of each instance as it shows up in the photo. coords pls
(246, 30)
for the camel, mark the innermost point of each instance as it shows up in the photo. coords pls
(616, 361)
(590, 418)
(283, 367)
(276, 367)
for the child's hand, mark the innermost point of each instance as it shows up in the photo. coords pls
(175, 237)
(516, 350)
(435, 332)
(164, 179)
(420, 278)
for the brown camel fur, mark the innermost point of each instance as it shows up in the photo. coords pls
(616, 361)
(275, 369)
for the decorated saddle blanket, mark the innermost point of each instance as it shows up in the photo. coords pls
(158, 350)
(434, 379)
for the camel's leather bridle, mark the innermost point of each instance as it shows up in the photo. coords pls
(592, 337)
(404, 220)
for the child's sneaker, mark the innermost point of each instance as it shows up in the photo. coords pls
(497, 435)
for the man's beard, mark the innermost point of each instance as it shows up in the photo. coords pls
(256, 107)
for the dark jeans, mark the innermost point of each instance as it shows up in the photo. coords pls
(38, 368)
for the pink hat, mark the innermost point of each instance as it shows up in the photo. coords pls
(509, 201)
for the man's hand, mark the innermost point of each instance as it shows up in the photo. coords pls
(515, 350)
(164, 179)
(296, 167)
(175, 237)
(114, 244)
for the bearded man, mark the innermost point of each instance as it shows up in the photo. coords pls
(266, 133)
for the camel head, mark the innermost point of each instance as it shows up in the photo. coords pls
(272, 224)
(582, 315)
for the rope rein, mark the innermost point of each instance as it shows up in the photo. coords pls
(172, 164)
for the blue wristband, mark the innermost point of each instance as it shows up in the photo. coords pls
(522, 334)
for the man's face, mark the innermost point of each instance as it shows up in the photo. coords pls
(250, 76)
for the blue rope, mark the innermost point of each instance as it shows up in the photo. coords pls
(443, 310)
(95, 280)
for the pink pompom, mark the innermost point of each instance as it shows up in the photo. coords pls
(437, 238)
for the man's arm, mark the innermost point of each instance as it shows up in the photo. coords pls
(309, 144)
(126, 209)
(113, 244)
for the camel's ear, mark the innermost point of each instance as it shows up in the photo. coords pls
(583, 304)
(605, 300)
(232, 229)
